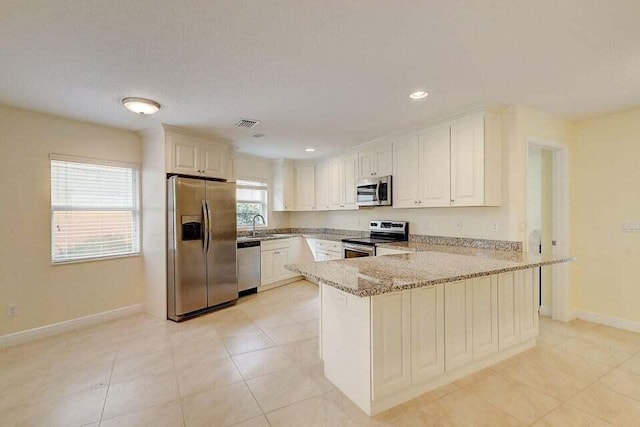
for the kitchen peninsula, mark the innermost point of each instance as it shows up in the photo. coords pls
(396, 326)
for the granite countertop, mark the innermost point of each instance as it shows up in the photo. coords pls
(429, 265)
(259, 237)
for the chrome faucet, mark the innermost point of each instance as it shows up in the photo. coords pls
(254, 223)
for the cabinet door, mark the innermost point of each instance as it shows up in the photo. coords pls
(305, 188)
(213, 161)
(336, 197)
(508, 311)
(184, 155)
(322, 255)
(485, 316)
(366, 165)
(467, 161)
(349, 171)
(458, 334)
(435, 161)
(280, 259)
(391, 353)
(287, 186)
(406, 173)
(383, 160)
(267, 272)
(529, 304)
(322, 187)
(427, 333)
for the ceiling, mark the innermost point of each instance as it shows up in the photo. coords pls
(326, 74)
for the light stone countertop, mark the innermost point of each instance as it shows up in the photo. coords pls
(368, 276)
(262, 237)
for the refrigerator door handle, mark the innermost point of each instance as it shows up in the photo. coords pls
(205, 216)
(209, 224)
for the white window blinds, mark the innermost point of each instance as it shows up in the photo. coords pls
(94, 209)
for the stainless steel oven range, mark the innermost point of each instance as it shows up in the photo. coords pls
(379, 232)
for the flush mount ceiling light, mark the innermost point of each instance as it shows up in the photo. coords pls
(309, 150)
(419, 94)
(258, 135)
(141, 106)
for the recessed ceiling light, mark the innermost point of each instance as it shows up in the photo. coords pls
(258, 135)
(141, 106)
(419, 94)
(309, 150)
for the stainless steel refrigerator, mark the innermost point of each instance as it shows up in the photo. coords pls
(201, 264)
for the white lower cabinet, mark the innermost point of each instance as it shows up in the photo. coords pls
(484, 292)
(391, 330)
(419, 337)
(272, 263)
(508, 310)
(529, 304)
(427, 333)
(458, 322)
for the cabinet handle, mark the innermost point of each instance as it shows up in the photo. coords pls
(452, 200)
(415, 202)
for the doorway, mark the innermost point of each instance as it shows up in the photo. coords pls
(540, 218)
(547, 230)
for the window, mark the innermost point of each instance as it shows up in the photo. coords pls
(95, 209)
(252, 200)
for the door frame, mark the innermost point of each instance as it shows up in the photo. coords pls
(560, 285)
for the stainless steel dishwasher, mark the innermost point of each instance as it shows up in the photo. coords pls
(248, 265)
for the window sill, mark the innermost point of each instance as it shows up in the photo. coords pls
(83, 260)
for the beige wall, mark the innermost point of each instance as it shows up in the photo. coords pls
(605, 178)
(47, 294)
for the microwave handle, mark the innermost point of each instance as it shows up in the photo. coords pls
(378, 192)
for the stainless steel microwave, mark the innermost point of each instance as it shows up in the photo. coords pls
(374, 191)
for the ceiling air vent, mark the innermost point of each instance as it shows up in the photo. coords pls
(246, 123)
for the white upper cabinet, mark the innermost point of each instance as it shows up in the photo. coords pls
(375, 161)
(434, 176)
(454, 164)
(476, 142)
(421, 164)
(342, 183)
(349, 174)
(195, 156)
(335, 184)
(322, 187)
(406, 186)
(213, 160)
(282, 186)
(304, 196)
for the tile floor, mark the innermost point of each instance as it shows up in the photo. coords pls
(256, 364)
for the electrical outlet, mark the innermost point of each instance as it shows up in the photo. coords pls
(495, 227)
(12, 310)
(521, 226)
(458, 225)
(427, 225)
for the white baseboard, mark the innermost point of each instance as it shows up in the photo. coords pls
(68, 325)
(604, 319)
(546, 311)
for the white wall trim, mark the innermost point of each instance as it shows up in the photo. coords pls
(68, 325)
(545, 311)
(604, 319)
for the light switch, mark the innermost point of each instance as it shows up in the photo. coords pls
(631, 226)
